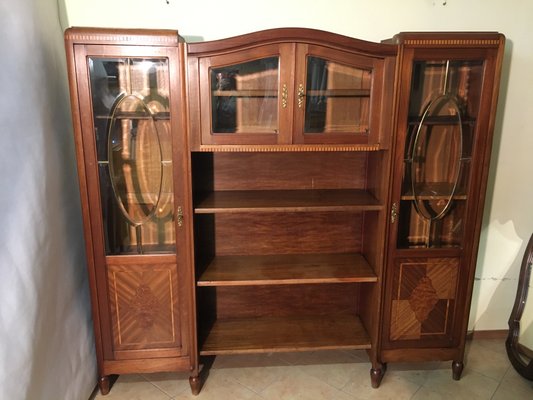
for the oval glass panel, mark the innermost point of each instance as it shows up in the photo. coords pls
(135, 159)
(436, 157)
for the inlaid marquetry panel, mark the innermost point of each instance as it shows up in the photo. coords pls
(423, 298)
(143, 302)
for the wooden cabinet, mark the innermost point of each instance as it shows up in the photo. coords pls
(299, 190)
(290, 86)
(447, 102)
(135, 189)
(290, 214)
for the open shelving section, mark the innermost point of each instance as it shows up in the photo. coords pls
(285, 249)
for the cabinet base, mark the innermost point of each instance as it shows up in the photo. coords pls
(104, 385)
(196, 384)
(376, 375)
(105, 382)
(457, 369)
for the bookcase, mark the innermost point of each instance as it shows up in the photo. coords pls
(283, 190)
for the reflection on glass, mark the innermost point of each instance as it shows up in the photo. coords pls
(245, 97)
(337, 97)
(132, 129)
(443, 108)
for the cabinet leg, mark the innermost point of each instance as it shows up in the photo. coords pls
(196, 384)
(376, 374)
(457, 369)
(104, 384)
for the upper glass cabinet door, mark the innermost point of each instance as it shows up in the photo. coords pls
(337, 98)
(244, 96)
(131, 116)
(443, 108)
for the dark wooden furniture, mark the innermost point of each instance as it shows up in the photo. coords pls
(133, 161)
(290, 221)
(520, 353)
(284, 190)
(445, 114)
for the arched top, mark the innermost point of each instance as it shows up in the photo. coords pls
(294, 35)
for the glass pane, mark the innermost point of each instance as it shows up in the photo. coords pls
(337, 97)
(132, 128)
(245, 97)
(443, 107)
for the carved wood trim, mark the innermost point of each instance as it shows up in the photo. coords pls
(452, 42)
(288, 148)
(122, 36)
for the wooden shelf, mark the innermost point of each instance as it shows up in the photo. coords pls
(340, 93)
(433, 191)
(135, 115)
(278, 334)
(245, 93)
(232, 201)
(287, 269)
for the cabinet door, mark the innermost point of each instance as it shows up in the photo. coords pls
(338, 96)
(441, 161)
(423, 301)
(134, 159)
(438, 151)
(244, 96)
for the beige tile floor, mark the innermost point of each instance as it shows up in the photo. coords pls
(335, 375)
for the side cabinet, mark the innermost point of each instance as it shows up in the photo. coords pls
(130, 131)
(447, 97)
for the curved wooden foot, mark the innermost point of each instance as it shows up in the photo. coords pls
(196, 385)
(104, 384)
(457, 369)
(376, 375)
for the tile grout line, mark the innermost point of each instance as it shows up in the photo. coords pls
(158, 388)
(417, 390)
(248, 388)
(500, 383)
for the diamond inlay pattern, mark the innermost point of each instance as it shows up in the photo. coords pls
(424, 298)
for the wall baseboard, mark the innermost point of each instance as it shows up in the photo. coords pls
(492, 334)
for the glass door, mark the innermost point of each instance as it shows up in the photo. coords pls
(244, 96)
(440, 130)
(134, 152)
(435, 170)
(130, 98)
(338, 96)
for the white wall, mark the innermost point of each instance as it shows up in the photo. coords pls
(508, 220)
(46, 340)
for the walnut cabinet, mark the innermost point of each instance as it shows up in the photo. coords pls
(133, 160)
(284, 190)
(445, 118)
